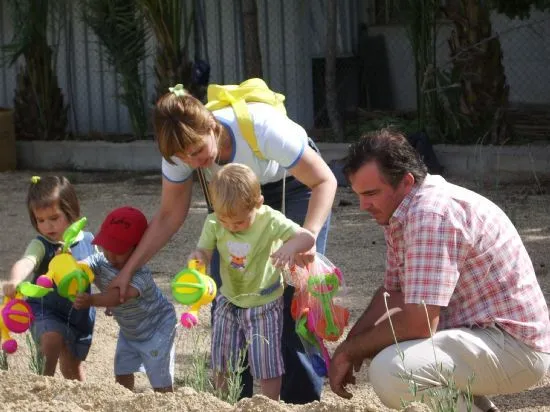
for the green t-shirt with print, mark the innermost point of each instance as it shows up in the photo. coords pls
(248, 277)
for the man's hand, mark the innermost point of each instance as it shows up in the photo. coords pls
(82, 301)
(340, 372)
(121, 281)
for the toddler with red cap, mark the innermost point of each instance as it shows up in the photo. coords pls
(147, 319)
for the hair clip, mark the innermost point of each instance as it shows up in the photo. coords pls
(178, 90)
(35, 179)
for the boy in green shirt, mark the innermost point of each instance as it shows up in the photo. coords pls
(254, 242)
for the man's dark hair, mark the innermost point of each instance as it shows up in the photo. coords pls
(391, 151)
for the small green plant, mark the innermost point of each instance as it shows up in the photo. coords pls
(196, 374)
(233, 379)
(37, 361)
(448, 397)
(444, 398)
(3, 361)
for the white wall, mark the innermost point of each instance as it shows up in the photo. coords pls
(526, 56)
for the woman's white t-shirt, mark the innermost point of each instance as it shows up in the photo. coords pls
(281, 141)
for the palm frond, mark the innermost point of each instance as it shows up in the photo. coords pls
(40, 112)
(166, 21)
(119, 26)
(28, 17)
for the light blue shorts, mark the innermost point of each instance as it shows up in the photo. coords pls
(257, 329)
(155, 356)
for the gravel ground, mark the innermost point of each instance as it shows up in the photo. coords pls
(356, 245)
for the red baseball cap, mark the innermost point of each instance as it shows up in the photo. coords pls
(121, 230)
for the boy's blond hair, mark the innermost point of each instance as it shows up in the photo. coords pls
(180, 122)
(235, 189)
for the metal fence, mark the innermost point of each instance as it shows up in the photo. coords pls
(291, 36)
(375, 68)
(525, 46)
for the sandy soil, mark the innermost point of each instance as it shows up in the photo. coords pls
(355, 244)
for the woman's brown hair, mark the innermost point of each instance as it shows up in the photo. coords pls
(181, 121)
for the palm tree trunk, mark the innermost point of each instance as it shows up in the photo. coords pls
(40, 112)
(165, 20)
(330, 72)
(252, 53)
(477, 62)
